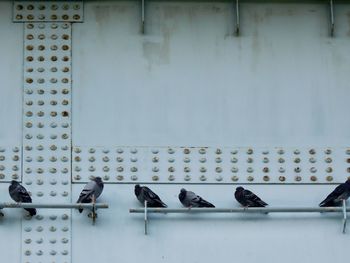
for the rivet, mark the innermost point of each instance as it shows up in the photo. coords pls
(347, 151)
(187, 169)
(119, 159)
(313, 178)
(91, 159)
(133, 169)
(312, 151)
(27, 229)
(155, 169)
(53, 252)
(2, 176)
(40, 194)
(133, 159)
(250, 160)
(297, 169)
(250, 151)
(27, 241)
(297, 160)
(155, 151)
(202, 151)
(296, 152)
(27, 253)
(53, 181)
(65, 193)
(265, 152)
(250, 178)
(218, 151)
(133, 177)
(65, 229)
(53, 217)
(120, 177)
(105, 169)
(92, 168)
(328, 160)
(106, 177)
(266, 178)
(280, 151)
(39, 241)
(53, 193)
(119, 150)
(250, 169)
(329, 178)
(53, 241)
(186, 151)
(281, 170)
(187, 178)
(281, 160)
(328, 151)
(234, 151)
(203, 160)
(64, 240)
(155, 178)
(329, 169)
(282, 178)
(105, 151)
(234, 169)
(218, 160)
(171, 177)
(234, 160)
(297, 178)
(155, 159)
(91, 150)
(312, 160)
(265, 169)
(64, 252)
(171, 151)
(52, 229)
(39, 229)
(202, 169)
(171, 160)
(313, 170)
(218, 178)
(120, 169)
(133, 151)
(203, 178)
(105, 159)
(187, 160)
(234, 178)
(218, 169)
(77, 177)
(265, 160)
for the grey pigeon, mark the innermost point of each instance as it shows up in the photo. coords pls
(20, 195)
(143, 193)
(190, 199)
(92, 189)
(248, 198)
(341, 192)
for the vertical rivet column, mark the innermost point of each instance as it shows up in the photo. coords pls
(47, 139)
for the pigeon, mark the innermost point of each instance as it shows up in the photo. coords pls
(248, 198)
(143, 194)
(190, 199)
(341, 192)
(92, 189)
(19, 194)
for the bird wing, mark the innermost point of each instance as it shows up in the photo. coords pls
(87, 192)
(252, 198)
(152, 198)
(339, 190)
(23, 194)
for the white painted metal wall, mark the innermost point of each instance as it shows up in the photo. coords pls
(188, 81)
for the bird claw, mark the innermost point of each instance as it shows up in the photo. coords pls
(2, 214)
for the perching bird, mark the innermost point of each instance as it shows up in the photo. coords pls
(248, 198)
(143, 193)
(92, 189)
(190, 199)
(341, 192)
(19, 194)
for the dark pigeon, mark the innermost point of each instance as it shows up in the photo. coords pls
(143, 194)
(341, 192)
(92, 189)
(190, 199)
(248, 198)
(20, 195)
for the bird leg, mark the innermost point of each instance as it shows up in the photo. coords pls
(1, 213)
(93, 213)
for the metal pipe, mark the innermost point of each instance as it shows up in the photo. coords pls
(332, 17)
(55, 206)
(146, 219)
(344, 216)
(143, 16)
(242, 210)
(237, 29)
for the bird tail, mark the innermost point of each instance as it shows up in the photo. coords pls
(32, 211)
(204, 203)
(262, 203)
